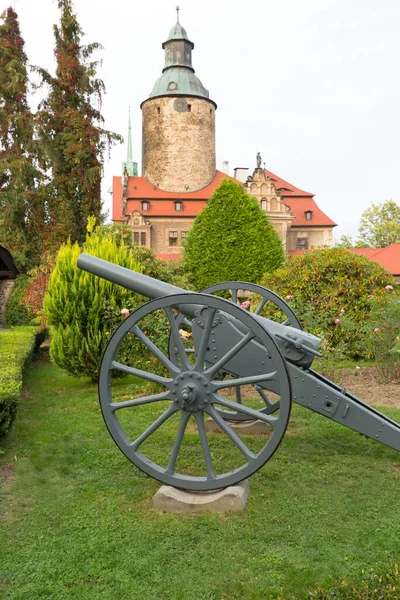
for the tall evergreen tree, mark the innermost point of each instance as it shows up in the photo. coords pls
(231, 239)
(22, 190)
(70, 129)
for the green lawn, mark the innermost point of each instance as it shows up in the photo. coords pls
(77, 520)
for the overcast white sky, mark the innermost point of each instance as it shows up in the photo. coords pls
(313, 84)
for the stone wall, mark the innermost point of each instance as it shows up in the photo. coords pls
(5, 290)
(178, 143)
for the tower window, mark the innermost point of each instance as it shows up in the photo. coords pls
(145, 205)
(308, 215)
(158, 110)
(142, 238)
(189, 107)
(173, 238)
(178, 206)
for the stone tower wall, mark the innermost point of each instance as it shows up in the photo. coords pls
(178, 143)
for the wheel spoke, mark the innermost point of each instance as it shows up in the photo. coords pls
(226, 383)
(275, 405)
(139, 401)
(154, 426)
(287, 322)
(259, 308)
(238, 394)
(204, 445)
(205, 338)
(178, 442)
(234, 296)
(231, 434)
(177, 340)
(155, 350)
(230, 354)
(139, 373)
(187, 322)
(250, 412)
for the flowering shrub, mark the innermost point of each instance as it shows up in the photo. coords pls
(335, 293)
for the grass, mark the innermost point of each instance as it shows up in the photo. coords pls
(76, 520)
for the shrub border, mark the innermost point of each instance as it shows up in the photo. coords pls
(17, 346)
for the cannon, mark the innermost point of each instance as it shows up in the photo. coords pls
(220, 363)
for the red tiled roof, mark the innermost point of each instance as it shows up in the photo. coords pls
(388, 258)
(288, 188)
(161, 202)
(139, 188)
(298, 208)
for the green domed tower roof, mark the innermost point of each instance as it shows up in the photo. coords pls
(178, 77)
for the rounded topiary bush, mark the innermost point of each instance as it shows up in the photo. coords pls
(335, 293)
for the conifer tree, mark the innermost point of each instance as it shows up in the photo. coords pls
(22, 190)
(70, 129)
(231, 239)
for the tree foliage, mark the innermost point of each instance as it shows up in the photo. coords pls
(70, 130)
(22, 183)
(335, 293)
(380, 224)
(77, 304)
(231, 239)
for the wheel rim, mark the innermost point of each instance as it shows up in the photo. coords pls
(190, 391)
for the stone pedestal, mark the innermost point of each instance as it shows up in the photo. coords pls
(255, 427)
(231, 499)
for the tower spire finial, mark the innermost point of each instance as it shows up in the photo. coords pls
(177, 14)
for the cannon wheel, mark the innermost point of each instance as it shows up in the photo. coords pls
(265, 296)
(190, 389)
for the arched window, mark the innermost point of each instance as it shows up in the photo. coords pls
(308, 215)
(263, 204)
(145, 205)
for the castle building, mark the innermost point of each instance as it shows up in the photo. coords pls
(179, 170)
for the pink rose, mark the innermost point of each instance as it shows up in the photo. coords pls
(289, 297)
(125, 312)
(245, 305)
(376, 329)
(389, 287)
(342, 310)
(337, 321)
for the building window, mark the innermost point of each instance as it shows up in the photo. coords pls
(302, 243)
(183, 237)
(145, 205)
(173, 238)
(136, 237)
(178, 206)
(263, 204)
(142, 238)
(308, 215)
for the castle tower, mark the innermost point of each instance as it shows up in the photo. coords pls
(178, 140)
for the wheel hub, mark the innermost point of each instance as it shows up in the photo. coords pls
(191, 391)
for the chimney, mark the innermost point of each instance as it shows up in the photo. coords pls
(225, 167)
(241, 174)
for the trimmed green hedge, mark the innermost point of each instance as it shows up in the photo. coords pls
(16, 349)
